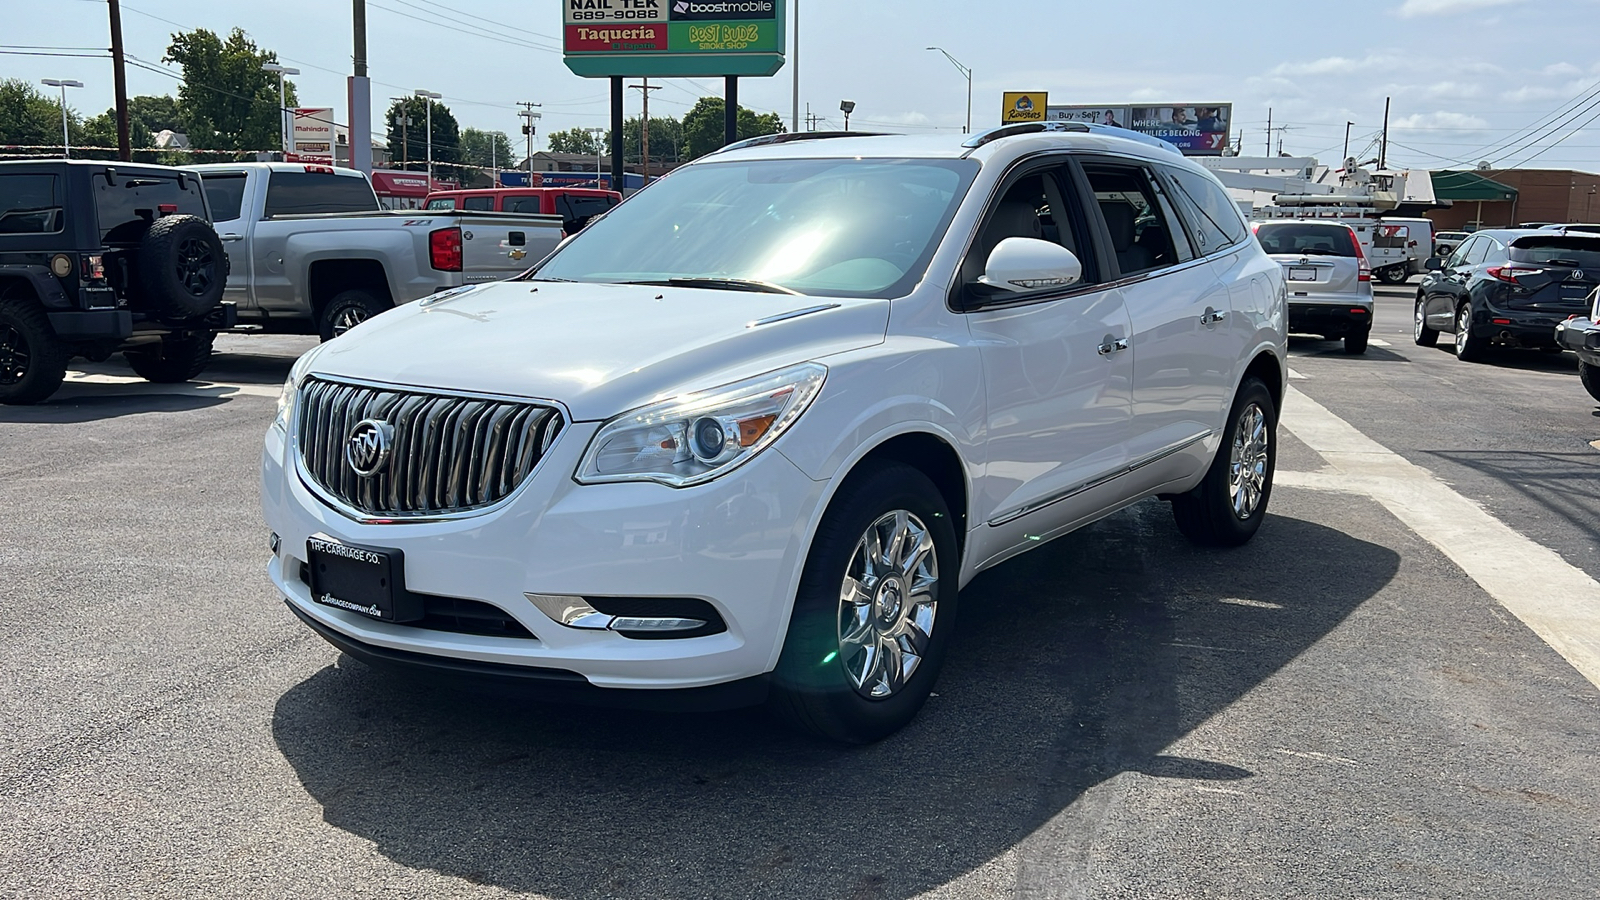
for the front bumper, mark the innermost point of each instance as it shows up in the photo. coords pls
(737, 542)
(1330, 319)
(1582, 336)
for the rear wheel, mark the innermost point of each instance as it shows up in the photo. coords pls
(346, 310)
(1590, 377)
(1393, 275)
(873, 613)
(1420, 332)
(1227, 507)
(1355, 342)
(1468, 347)
(32, 362)
(173, 360)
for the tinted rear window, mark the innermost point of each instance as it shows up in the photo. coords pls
(225, 195)
(524, 205)
(125, 208)
(1310, 238)
(478, 203)
(1578, 252)
(29, 204)
(298, 193)
(578, 210)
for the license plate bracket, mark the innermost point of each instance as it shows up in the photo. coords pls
(1576, 291)
(360, 579)
(1299, 274)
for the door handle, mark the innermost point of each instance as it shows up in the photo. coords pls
(230, 238)
(1213, 316)
(1110, 345)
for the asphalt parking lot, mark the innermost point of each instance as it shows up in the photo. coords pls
(1392, 692)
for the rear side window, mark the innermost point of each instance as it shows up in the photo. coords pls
(1212, 216)
(127, 207)
(1306, 238)
(225, 195)
(1143, 234)
(482, 204)
(300, 193)
(29, 204)
(442, 203)
(524, 205)
(1391, 236)
(578, 210)
(1577, 252)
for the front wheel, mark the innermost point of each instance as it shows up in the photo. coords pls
(1469, 348)
(1226, 508)
(1420, 332)
(1590, 378)
(873, 613)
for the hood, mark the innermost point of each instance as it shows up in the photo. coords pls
(601, 349)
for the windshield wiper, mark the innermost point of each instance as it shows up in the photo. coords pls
(543, 278)
(724, 284)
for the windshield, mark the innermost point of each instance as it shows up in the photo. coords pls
(1580, 251)
(831, 227)
(1306, 238)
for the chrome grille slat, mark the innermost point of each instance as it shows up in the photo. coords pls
(448, 454)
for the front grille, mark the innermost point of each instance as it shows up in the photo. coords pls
(447, 454)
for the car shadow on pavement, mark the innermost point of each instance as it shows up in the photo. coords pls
(1517, 358)
(109, 401)
(1072, 664)
(1310, 346)
(1560, 484)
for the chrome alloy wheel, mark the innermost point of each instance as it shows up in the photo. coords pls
(1463, 324)
(886, 604)
(1247, 461)
(1420, 324)
(348, 318)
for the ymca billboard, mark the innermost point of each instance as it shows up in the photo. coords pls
(1197, 129)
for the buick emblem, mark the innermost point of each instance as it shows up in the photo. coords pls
(367, 447)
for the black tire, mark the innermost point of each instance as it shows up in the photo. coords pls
(1420, 332)
(32, 362)
(182, 267)
(346, 310)
(1206, 515)
(1468, 347)
(1590, 378)
(1355, 342)
(173, 360)
(814, 687)
(1393, 275)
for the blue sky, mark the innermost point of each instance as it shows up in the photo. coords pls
(1467, 76)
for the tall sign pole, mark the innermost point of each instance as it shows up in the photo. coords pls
(359, 95)
(730, 111)
(119, 79)
(618, 174)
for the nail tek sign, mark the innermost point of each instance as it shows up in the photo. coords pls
(674, 38)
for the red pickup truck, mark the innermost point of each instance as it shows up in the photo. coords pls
(575, 206)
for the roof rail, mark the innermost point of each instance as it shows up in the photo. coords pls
(791, 136)
(1005, 131)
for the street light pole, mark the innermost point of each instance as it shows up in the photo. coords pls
(599, 148)
(66, 137)
(847, 107)
(968, 73)
(285, 130)
(428, 98)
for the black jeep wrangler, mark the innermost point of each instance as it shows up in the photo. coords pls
(97, 257)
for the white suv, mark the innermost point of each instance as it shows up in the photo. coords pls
(747, 434)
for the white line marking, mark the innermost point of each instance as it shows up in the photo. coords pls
(1557, 600)
(1377, 343)
(1296, 376)
(1320, 757)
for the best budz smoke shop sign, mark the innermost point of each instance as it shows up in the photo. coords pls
(674, 38)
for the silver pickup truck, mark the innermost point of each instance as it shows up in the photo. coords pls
(312, 252)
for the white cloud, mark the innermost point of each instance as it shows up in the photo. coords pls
(1441, 120)
(1412, 8)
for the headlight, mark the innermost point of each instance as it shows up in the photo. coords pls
(285, 405)
(697, 437)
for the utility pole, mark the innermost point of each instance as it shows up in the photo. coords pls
(529, 117)
(794, 111)
(1269, 131)
(428, 97)
(1346, 142)
(1383, 148)
(645, 89)
(119, 79)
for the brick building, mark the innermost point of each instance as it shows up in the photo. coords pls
(1500, 198)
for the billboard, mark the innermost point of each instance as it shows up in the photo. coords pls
(1197, 129)
(312, 137)
(673, 38)
(1023, 106)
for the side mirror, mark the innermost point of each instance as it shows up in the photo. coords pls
(1023, 265)
(1433, 264)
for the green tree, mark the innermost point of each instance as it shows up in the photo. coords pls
(703, 129)
(227, 102)
(574, 140)
(406, 130)
(666, 140)
(485, 149)
(28, 116)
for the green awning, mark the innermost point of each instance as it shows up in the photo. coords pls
(1470, 186)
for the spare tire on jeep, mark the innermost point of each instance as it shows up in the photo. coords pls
(182, 267)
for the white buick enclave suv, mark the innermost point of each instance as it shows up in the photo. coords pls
(746, 436)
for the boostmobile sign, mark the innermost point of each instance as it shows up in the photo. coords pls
(673, 38)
